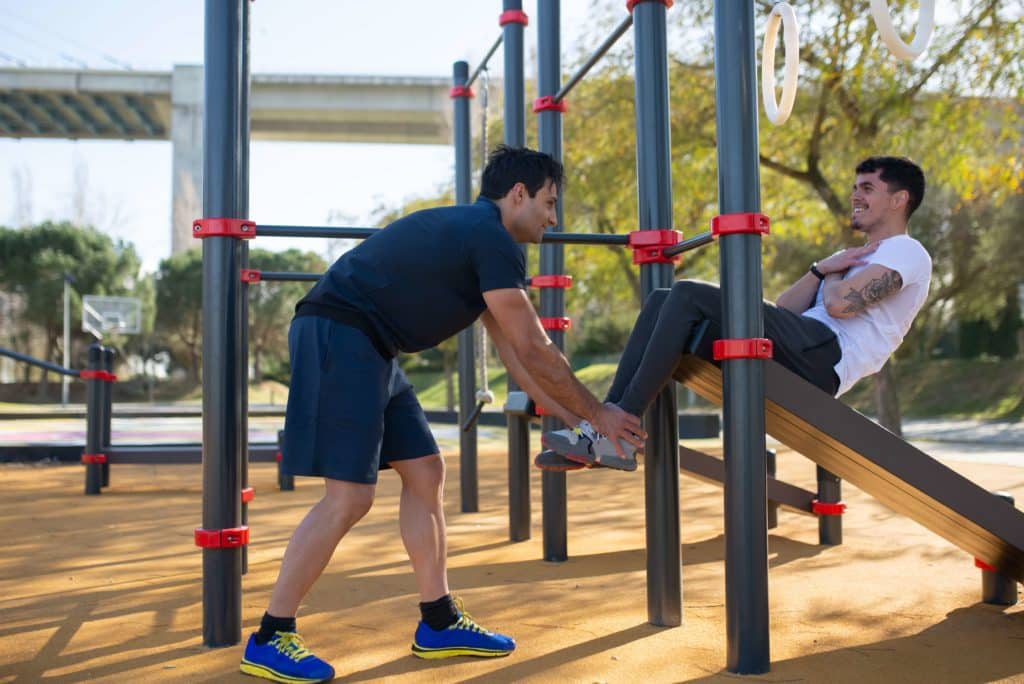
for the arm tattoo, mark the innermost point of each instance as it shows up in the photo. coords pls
(874, 292)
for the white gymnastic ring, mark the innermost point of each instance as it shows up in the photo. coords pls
(925, 27)
(778, 113)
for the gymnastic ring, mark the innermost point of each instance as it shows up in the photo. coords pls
(778, 113)
(925, 27)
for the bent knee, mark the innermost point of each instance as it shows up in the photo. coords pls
(349, 500)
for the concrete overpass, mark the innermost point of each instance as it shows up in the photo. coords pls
(146, 105)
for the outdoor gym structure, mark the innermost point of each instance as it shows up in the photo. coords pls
(951, 506)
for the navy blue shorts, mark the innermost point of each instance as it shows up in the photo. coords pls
(350, 411)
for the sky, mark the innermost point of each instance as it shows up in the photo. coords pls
(124, 188)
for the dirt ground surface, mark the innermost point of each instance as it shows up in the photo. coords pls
(108, 588)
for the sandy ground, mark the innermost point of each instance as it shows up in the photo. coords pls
(108, 588)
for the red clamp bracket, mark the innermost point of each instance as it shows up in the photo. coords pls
(105, 376)
(278, 457)
(978, 563)
(630, 4)
(539, 410)
(248, 494)
(548, 104)
(822, 508)
(250, 275)
(731, 224)
(647, 246)
(752, 348)
(559, 281)
(513, 17)
(558, 323)
(224, 227)
(94, 458)
(222, 539)
(460, 91)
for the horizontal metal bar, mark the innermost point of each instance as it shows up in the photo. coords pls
(290, 276)
(586, 238)
(314, 231)
(595, 58)
(688, 244)
(483, 63)
(31, 360)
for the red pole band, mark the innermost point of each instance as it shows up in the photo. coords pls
(248, 494)
(731, 224)
(250, 275)
(105, 376)
(548, 104)
(753, 348)
(94, 458)
(460, 91)
(222, 539)
(630, 4)
(822, 508)
(648, 244)
(557, 323)
(559, 281)
(224, 227)
(978, 563)
(513, 17)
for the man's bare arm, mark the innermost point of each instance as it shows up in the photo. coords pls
(800, 295)
(847, 297)
(545, 363)
(521, 375)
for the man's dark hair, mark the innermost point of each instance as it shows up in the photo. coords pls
(899, 173)
(510, 165)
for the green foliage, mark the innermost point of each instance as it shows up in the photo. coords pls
(271, 306)
(179, 315)
(34, 261)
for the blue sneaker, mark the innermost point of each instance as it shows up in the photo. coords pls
(465, 637)
(284, 658)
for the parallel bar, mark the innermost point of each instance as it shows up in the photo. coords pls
(483, 62)
(222, 405)
(688, 244)
(554, 491)
(746, 535)
(314, 231)
(33, 361)
(467, 339)
(290, 276)
(654, 190)
(594, 58)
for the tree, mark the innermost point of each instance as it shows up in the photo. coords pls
(33, 262)
(272, 305)
(179, 311)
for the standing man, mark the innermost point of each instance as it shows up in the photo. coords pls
(351, 410)
(838, 323)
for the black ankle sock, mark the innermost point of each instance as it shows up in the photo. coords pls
(270, 624)
(440, 613)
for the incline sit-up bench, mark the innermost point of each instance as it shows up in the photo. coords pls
(896, 473)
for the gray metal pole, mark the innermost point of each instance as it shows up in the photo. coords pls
(513, 25)
(830, 490)
(242, 336)
(64, 380)
(107, 393)
(746, 537)
(93, 422)
(468, 477)
(222, 403)
(552, 261)
(654, 189)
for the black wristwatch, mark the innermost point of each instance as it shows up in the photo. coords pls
(817, 274)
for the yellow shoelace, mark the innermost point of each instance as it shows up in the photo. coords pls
(465, 620)
(291, 645)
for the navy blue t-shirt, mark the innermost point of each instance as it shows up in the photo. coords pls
(420, 280)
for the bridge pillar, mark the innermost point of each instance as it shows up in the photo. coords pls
(187, 153)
